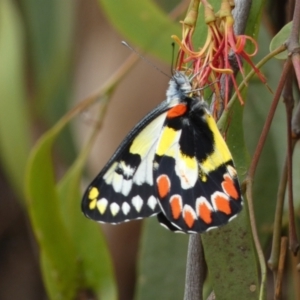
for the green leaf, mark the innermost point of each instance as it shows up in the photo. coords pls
(162, 263)
(47, 220)
(229, 249)
(144, 24)
(14, 120)
(279, 39)
(51, 33)
(88, 239)
(71, 245)
(50, 29)
(231, 260)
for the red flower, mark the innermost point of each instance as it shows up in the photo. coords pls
(211, 61)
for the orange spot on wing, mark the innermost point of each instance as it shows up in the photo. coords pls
(176, 111)
(204, 213)
(222, 204)
(229, 188)
(189, 217)
(163, 185)
(176, 206)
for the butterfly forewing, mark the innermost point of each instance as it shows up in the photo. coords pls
(123, 190)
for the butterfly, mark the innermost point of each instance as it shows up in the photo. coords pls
(174, 164)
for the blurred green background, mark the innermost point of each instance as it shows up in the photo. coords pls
(54, 54)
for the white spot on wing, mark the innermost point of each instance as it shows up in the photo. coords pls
(232, 171)
(186, 169)
(125, 208)
(127, 170)
(114, 208)
(175, 225)
(117, 182)
(137, 202)
(210, 228)
(108, 176)
(152, 202)
(126, 187)
(102, 205)
(144, 172)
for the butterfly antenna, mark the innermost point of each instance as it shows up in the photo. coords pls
(144, 58)
(172, 61)
(204, 87)
(201, 70)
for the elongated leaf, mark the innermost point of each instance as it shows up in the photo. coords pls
(70, 244)
(47, 221)
(50, 26)
(14, 122)
(50, 29)
(88, 239)
(143, 23)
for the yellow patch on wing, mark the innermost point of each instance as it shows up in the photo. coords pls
(201, 174)
(168, 138)
(190, 162)
(92, 204)
(144, 141)
(93, 193)
(221, 152)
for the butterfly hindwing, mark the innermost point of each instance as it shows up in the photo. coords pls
(123, 190)
(196, 180)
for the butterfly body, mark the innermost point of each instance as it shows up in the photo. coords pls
(174, 164)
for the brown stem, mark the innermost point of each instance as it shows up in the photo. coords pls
(278, 287)
(289, 105)
(296, 122)
(240, 14)
(252, 169)
(260, 254)
(195, 269)
(275, 252)
(269, 120)
(293, 41)
(294, 130)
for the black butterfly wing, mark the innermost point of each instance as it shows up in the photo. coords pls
(195, 176)
(124, 189)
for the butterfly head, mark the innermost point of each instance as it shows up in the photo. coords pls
(179, 86)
